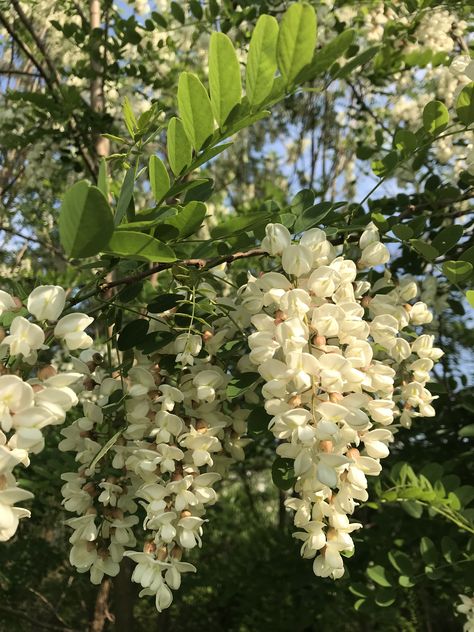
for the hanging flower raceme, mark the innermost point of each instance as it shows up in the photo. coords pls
(151, 445)
(33, 394)
(340, 363)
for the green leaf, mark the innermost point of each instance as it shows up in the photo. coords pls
(428, 551)
(385, 165)
(413, 509)
(125, 196)
(239, 223)
(177, 12)
(405, 141)
(164, 302)
(159, 178)
(85, 220)
(129, 117)
(261, 61)
(324, 58)
(178, 146)
(467, 431)
(470, 297)
(131, 244)
(132, 334)
(207, 155)
(257, 421)
(195, 109)
(426, 250)
(238, 385)
(188, 220)
(401, 562)
(402, 231)
(102, 179)
(314, 215)
(283, 473)
(377, 575)
(457, 271)
(296, 40)
(405, 581)
(359, 60)
(447, 238)
(435, 117)
(225, 83)
(465, 104)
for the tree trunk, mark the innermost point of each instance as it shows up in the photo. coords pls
(101, 609)
(101, 144)
(123, 597)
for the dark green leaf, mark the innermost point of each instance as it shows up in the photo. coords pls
(132, 334)
(164, 302)
(238, 385)
(447, 238)
(283, 473)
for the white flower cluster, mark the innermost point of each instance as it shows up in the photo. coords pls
(466, 607)
(437, 30)
(339, 361)
(27, 406)
(174, 440)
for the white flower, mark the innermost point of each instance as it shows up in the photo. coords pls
(374, 254)
(46, 302)
(6, 302)
(71, 328)
(24, 337)
(277, 238)
(297, 260)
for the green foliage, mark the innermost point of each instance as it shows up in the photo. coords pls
(261, 62)
(225, 84)
(85, 220)
(296, 40)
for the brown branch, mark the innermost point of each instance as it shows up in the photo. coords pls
(201, 264)
(39, 44)
(25, 50)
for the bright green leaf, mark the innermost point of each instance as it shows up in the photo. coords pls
(130, 244)
(296, 40)
(465, 104)
(359, 60)
(377, 575)
(457, 271)
(85, 220)
(470, 297)
(178, 146)
(159, 178)
(261, 61)
(225, 83)
(323, 59)
(195, 109)
(435, 117)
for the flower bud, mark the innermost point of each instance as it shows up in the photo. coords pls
(277, 238)
(46, 372)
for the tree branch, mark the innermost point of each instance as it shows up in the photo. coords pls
(201, 264)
